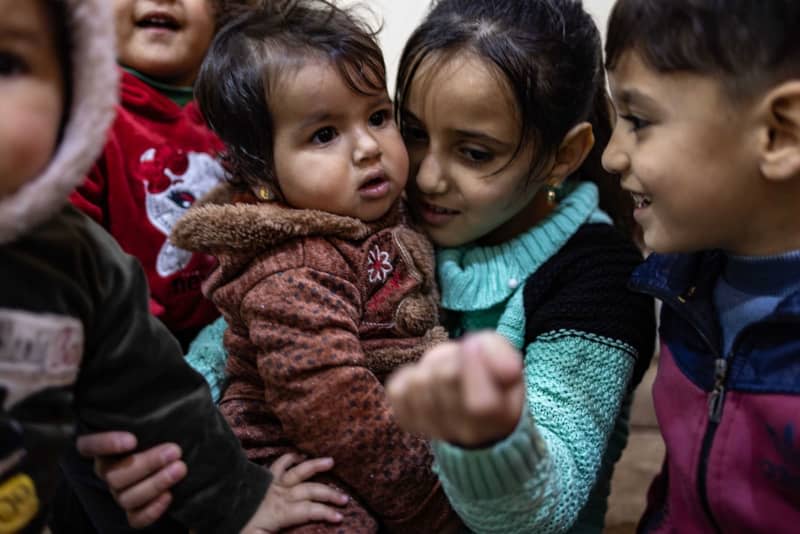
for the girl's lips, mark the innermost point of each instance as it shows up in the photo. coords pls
(436, 215)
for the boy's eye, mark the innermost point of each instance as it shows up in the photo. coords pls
(476, 156)
(379, 118)
(11, 64)
(324, 135)
(636, 123)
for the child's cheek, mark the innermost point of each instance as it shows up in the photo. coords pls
(28, 134)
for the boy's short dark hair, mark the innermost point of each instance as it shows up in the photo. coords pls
(257, 49)
(749, 45)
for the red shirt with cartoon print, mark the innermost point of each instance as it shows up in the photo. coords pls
(158, 160)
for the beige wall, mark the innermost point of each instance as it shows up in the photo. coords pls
(401, 16)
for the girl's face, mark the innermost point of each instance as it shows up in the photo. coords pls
(462, 128)
(31, 92)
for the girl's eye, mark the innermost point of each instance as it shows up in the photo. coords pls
(414, 134)
(11, 64)
(379, 118)
(636, 123)
(476, 156)
(324, 135)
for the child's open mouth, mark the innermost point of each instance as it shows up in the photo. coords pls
(375, 187)
(159, 21)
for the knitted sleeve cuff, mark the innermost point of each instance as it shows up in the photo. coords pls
(207, 356)
(502, 469)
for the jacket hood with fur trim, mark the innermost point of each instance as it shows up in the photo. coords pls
(94, 95)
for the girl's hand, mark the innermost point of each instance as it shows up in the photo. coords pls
(291, 500)
(139, 482)
(469, 393)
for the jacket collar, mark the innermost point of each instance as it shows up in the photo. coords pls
(228, 221)
(686, 282)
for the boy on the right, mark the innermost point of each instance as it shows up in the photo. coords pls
(707, 141)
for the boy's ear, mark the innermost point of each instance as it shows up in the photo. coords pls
(571, 154)
(780, 158)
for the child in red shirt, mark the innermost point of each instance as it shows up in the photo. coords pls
(160, 157)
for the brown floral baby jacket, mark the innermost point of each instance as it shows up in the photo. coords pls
(320, 309)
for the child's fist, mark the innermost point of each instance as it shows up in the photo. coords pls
(469, 393)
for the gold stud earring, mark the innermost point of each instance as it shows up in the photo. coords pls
(264, 193)
(552, 196)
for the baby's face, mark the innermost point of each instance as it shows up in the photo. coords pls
(31, 92)
(335, 150)
(165, 40)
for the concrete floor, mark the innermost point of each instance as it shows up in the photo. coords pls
(640, 462)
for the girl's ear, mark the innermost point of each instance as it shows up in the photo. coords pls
(571, 154)
(780, 153)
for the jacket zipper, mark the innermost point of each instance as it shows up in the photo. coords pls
(716, 401)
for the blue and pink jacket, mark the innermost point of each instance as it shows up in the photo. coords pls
(729, 421)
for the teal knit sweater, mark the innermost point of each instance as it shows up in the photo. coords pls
(542, 477)
(552, 474)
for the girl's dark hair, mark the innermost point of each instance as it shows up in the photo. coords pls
(250, 54)
(748, 45)
(550, 54)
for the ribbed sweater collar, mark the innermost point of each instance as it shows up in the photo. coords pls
(476, 278)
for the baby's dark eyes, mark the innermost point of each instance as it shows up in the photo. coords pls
(379, 118)
(324, 135)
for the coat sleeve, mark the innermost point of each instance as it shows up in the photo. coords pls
(134, 378)
(305, 325)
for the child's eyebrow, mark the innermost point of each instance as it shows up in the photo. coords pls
(634, 97)
(315, 118)
(480, 136)
(325, 116)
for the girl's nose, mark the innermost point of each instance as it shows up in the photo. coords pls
(430, 177)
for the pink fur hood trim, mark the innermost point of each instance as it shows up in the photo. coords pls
(94, 94)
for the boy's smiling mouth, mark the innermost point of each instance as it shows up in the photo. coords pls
(640, 200)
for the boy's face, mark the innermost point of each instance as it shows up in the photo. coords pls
(335, 150)
(31, 92)
(688, 155)
(164, 39)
